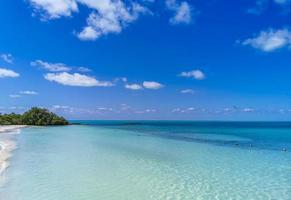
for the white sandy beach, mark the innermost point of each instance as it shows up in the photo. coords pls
(6, 146)
(10, 128)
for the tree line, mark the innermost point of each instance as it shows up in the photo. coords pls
(35, 117)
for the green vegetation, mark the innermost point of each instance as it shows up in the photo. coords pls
(35, 116)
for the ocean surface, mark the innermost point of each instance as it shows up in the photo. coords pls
(144, 160)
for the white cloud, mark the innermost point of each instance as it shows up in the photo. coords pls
(185, 110)
(104, 109)
(8, 73)
(197, 74)
(53, 67)
(248, 110)
(187, 91)
(133, 87)
(190, 109)
(67, 109)
(53, 9)
(76, 79)
(182, 12)
(150, 110)
(270, 40)
(28, 92)
(109, 16)
(152, 85)
(60, 107)
(88, 33)
(7, 58)
(14, 96)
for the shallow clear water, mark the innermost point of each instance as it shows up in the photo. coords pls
(151, 160)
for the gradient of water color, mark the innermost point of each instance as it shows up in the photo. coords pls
(114, 160)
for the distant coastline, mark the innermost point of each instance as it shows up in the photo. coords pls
(34, 117)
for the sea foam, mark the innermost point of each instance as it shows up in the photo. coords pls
(7, 145)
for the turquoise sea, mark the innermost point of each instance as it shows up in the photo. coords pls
(158, 160)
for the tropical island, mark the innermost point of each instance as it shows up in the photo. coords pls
(33, 117)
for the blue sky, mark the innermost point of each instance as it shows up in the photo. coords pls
(147, 59)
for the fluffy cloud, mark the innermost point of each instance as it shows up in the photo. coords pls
(53, 67)
(8, 73)
(76, 79)
(197, 74)
(182, 12)
(187, 91)
(133, 87)
(146, 84)
(88, 33)
(152, 85)
(109, 17)
(53, 9)
(7, 58)
(28, 92)
(270, 40)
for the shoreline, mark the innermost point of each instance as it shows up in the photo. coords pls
(7, 146)
(9, 128)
